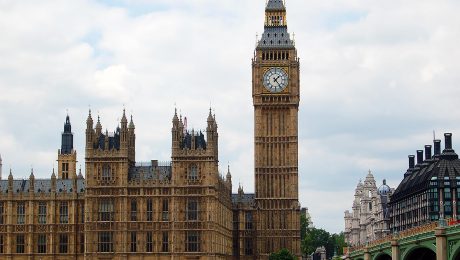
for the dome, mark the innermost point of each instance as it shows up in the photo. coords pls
(384, 189)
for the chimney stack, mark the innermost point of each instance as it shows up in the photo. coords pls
(419, 156)
(427, 152)
(448, 141)
(437, 147)
(411, 161)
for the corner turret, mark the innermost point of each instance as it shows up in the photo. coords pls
(98, 126)
(10, 181)
(89, 130)
(67, 156)
(229, 175)
(131, 140)
(111, 152)
(31, 181)
(67, 137)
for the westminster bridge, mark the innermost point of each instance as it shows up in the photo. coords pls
(436, 240)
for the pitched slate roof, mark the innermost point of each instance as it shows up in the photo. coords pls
(446, 165)
(42, 186)
(150, 173)
(276, 37)
(243, 198)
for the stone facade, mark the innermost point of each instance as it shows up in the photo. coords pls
(276, 96)
(370, 216)
(44, 216)
(184, 209)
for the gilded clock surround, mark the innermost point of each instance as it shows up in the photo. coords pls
(282, 83)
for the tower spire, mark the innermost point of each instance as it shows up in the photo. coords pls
(275, 33)
(275, 5)
(67, 136)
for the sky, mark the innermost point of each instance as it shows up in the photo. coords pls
(378, 78)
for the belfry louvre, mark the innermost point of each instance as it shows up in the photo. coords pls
(183, 209)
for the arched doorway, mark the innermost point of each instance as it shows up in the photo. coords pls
(421, 253)
(383, 256)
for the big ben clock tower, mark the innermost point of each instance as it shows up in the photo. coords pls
(276, 92)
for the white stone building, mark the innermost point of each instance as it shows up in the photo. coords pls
(370, 216)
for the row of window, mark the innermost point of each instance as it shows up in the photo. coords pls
(192, 173)
(41, 244)
(275, 55)
(42, 213)
(105, 242)
(106, 210)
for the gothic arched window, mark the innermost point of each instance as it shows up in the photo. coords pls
(193, 173)
(106, 172)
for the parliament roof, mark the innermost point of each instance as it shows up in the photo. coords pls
(442, 167)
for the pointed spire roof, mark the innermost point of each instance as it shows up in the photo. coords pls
(210, 117)
(53, 176)
(275, 5)
(89, 120)
(229, 175)
(80, 176)
(275, 35)
(67, 137)
(175, 117)
(67, 125)
(98, 124)
(123, 118)
(131, 123)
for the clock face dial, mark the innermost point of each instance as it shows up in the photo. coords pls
(275, 80)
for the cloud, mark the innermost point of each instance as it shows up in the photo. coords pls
(376, 77)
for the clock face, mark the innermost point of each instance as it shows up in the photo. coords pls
(275, 80)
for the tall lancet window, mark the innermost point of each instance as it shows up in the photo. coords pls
(106, 172)
(193, 173)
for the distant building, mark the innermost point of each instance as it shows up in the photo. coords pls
(430, 188)
(369, 219)
(304, 211)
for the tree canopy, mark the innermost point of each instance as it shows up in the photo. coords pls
(312, 238)
(283, 254)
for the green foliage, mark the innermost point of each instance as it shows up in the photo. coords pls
(340, 243)
(312, 238)
(283, 254)
(303, 226)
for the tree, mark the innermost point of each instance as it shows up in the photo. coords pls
(283, 254)
(312, 238)
(340, 242)
(303, 226)
(315, 238)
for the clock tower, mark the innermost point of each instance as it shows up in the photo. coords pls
(276, 94)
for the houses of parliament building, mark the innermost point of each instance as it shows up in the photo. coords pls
(182, 209)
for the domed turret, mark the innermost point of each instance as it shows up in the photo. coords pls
(384, 189)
